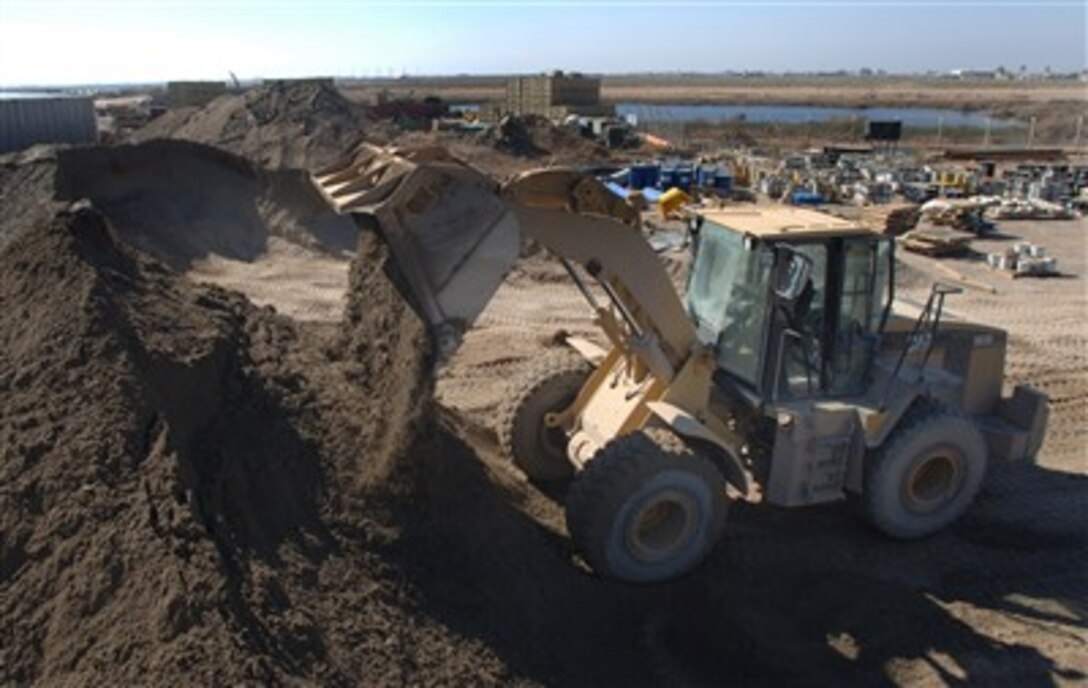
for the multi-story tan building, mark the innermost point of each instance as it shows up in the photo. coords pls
(555, 96)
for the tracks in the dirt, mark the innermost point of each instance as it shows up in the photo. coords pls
(792, 595)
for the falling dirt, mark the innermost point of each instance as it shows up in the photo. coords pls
(192, 488)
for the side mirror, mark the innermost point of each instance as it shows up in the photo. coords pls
(792, 275)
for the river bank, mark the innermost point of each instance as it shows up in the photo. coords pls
(1056, 104)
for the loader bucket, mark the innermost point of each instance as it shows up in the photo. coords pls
(451, 235)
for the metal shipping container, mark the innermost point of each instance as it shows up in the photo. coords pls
(27, 121)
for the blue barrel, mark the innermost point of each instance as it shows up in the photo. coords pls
(668, 177)
(642, 176)
(802, 197)
(723, 181)
(705, 175)
(685, 177)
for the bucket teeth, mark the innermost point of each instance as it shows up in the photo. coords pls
(450, 232)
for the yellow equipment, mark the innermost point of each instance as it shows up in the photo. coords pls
(671, 201)
(782, 366)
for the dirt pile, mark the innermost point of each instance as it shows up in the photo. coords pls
(300, 126)
(201, 490)
(204, 212)
(533, 136)
(190, 484)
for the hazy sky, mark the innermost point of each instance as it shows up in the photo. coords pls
(65, 42)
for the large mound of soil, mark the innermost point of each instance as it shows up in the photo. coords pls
(201, 490)
(277, 126)
(534, 136)
(192, 488)
(202, 211)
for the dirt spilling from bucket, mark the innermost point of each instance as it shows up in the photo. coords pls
(203, 490)
(194, 488)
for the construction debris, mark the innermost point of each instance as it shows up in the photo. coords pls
(901, 220)
(1024, 260)
(937, 241)
(965, 214)
(1030, 209)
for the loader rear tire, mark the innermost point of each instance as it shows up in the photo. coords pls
(552, 385)
(926, 474)
(647, 508)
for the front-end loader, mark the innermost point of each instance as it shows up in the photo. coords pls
(782, 376)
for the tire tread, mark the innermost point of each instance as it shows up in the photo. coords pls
(541, 373)
(918, 420)
(611, 471)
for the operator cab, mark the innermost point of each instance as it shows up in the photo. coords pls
(774, 342)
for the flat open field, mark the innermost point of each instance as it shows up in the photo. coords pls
(815, 90)
(841, 91)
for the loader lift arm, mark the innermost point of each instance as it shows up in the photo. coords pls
(455, 233)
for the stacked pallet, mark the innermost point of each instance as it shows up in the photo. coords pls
(901, 220)
(1024, 260)
(936, 240)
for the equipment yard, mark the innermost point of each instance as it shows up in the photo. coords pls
(231, 451)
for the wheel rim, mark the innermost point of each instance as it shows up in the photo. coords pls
(552, 440)
(662, 526)
(934, 481)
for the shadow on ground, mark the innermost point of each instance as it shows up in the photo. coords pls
(790, 597)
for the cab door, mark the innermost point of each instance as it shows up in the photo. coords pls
(827, 339)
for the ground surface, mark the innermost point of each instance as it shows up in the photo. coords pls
(271, 498)
(813, 594)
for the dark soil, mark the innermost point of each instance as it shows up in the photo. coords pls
(276, 126)
(195, 490)
(176, 200)
(533, 136)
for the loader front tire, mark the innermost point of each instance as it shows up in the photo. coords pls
(539, 451)
(926, 473)
(647, 508)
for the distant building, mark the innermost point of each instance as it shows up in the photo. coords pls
(193, 93)
(30, 118)
(555, 96)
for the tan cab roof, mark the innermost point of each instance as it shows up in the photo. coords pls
(783, 222)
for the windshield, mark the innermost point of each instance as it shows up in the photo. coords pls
(728, 298)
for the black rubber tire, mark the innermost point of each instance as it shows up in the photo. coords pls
(614, 495)
(926, 474)
(551, 385)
